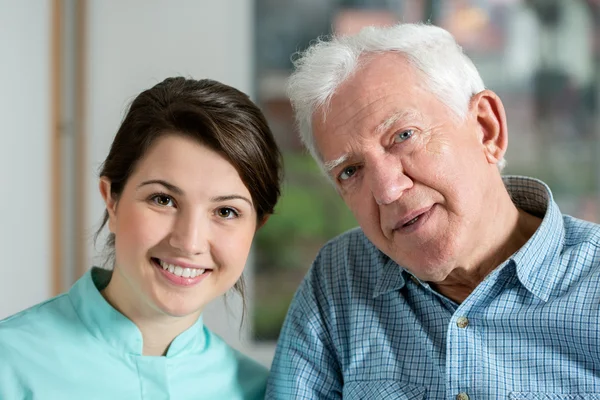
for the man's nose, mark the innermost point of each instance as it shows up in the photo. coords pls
(388, 181)
(190, 234)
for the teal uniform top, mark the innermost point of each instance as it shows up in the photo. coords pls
(77, 346)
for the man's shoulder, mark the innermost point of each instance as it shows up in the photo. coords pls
(581, 232)
(579, 256)
(581, 248)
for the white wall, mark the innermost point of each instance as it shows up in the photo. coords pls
(135, 44)
(24, 154)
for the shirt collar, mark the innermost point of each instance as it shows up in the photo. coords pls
(390, 278)
(536, 261)
(532, 261)
(109, 326)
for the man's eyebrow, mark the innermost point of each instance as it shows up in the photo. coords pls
(400, 115)
(219, 199)
(331, 165)
(382, 127)
(167, 185)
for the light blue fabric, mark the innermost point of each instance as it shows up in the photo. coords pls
(362, 327)
(76, 346)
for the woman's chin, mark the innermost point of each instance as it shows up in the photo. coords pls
(180, 312)
(178, 308)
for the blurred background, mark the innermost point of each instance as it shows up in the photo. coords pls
(69, 68)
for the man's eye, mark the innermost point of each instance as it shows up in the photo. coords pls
(403, 135)
(163, 200)
(347, 173)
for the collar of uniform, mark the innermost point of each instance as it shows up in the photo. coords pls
(536, 262)
(109, 326)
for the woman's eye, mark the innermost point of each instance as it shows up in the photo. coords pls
(347, 173)
(227, 213)
(403, 135)
(163, 200)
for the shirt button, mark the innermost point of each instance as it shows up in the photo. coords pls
(462, 396)
(462, 322)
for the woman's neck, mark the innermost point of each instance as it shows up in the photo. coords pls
(157, 328)
(158, 334)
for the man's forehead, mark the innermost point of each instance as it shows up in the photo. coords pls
(322, 124)
(384, 123)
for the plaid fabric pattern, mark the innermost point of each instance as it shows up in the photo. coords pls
(361, 327)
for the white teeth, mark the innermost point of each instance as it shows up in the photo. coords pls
(179, 271)
(412, 221)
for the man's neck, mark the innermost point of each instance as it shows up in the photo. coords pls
(515, 229)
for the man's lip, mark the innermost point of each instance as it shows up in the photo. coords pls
(410, 216)
(180, 263)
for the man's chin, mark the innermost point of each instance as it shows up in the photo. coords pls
(432, 273)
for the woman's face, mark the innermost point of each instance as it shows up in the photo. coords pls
(183, 227)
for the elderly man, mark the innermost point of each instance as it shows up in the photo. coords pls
(459, 284)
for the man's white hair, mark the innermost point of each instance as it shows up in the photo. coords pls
(326, 64)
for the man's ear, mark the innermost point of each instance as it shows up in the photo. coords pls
(491, 120)
(109, 201)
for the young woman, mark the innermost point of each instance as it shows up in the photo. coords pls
(192, 173)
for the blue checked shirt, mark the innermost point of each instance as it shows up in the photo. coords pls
(361, 327)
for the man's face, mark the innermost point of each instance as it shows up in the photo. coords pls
(416, 178)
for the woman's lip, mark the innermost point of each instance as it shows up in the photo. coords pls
(181, 264)
(180, 280)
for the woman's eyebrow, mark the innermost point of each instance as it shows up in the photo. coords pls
(164, 183)
(219, 199)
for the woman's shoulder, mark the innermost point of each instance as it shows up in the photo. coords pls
(40, 314)
(251, 376)
(38, 324)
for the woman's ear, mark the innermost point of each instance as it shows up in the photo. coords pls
(109, 201)
(262, 222)
(491, 120)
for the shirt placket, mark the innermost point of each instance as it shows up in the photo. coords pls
(461, 359)
(152, 372)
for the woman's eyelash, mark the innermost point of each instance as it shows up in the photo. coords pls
(155, 196)
(230, 210)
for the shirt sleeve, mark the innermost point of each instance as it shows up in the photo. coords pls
(305, 364)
